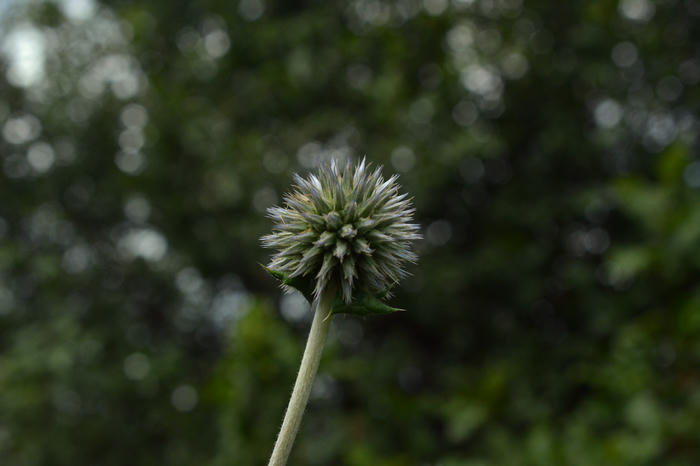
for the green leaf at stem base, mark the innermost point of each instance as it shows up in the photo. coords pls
(363, 304)
(302, 284)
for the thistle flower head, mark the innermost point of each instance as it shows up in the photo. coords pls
(345, 226)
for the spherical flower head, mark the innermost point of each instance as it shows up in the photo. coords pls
(346, 227)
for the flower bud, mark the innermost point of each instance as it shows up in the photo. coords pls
(344, 226)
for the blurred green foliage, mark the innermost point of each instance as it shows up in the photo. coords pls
(553, 319)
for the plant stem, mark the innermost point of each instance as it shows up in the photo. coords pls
(305, 380)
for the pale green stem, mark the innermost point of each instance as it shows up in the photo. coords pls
(305, 380)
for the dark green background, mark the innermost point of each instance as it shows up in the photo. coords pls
(553, 318)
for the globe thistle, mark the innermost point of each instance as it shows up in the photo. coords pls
(345, 227)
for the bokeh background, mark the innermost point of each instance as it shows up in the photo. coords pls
(553, 318)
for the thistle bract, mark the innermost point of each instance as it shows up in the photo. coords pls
(345, 226)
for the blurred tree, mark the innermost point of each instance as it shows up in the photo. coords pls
(552, 151)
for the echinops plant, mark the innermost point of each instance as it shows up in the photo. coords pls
(342, 237)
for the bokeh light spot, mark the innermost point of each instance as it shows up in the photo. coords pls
(403, 158)
(40, 156)
(21, 129)
(130, 162)
(514, 65)
(465, 113)
(637, 10)
(294, 307)
(439, 232)
(471, 169)
(264, 198)
(137, 208)
(137, 366)
(435, 7)
(216, 43)
(134, 116)
(25, 49)
(669, 88)
(145, 243)
(691, 175)
(250, 10)
(624, 54)
(77, 259)
(607, 113)
(78, 10)
(184, 398)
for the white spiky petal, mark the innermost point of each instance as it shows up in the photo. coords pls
(346, 226)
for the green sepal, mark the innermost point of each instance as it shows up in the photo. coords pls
(363, 304)
(302, 284)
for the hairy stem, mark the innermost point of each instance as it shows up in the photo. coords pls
(305, 380)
